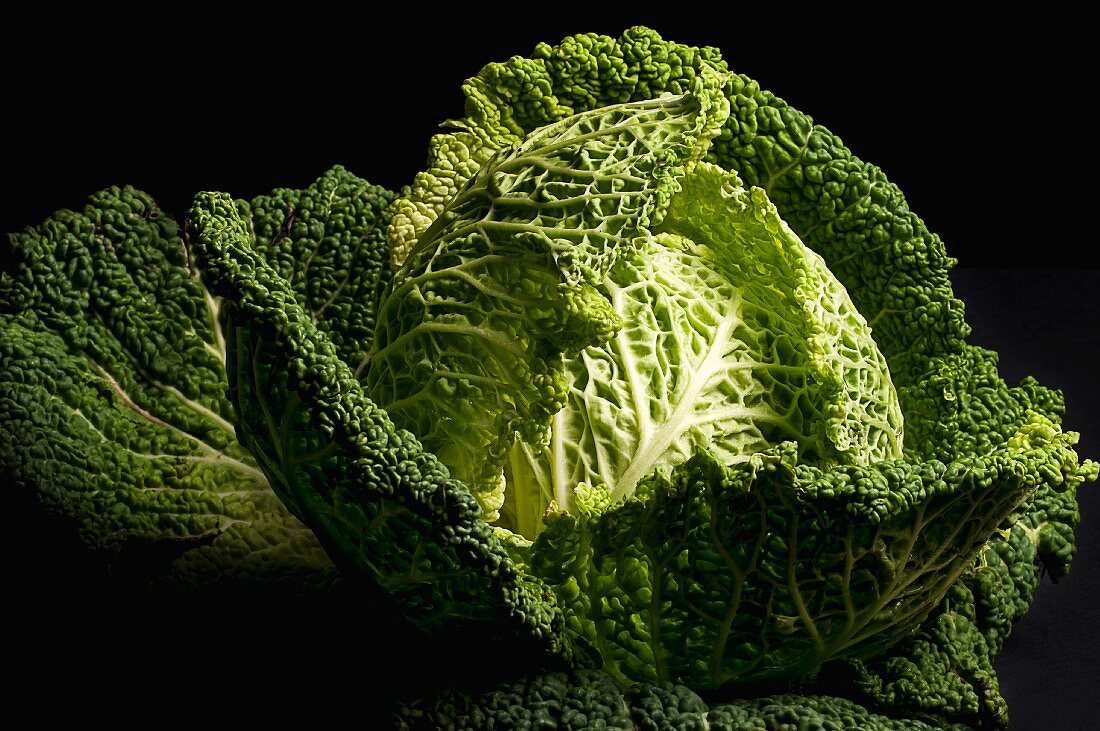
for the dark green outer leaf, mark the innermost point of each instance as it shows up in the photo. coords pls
(765, 570)
(113, 407)
(327, 241)
(591, 699)
(386, 510)
(113, 412)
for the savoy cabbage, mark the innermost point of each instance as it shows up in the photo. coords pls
(645, 379)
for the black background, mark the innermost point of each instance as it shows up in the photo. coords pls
(980, 122)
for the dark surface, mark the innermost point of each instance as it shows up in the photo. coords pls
(976, 123)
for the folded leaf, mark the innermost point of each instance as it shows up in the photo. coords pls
(386, 510)
(767, 569)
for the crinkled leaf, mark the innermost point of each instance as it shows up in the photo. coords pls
(767, 569)
(114, 412)
(328, 242)
(386, 510)
(589, 699)
(736, 338)
(945, 668)
(472, 333)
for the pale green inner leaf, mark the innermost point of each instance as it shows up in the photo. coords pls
(470, 336)
(735, 339)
